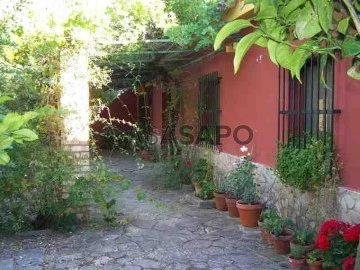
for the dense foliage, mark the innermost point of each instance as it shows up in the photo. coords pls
(241, 182)
(198, 21)
(292, 30)
(305, 168)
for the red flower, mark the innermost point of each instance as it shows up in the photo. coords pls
(348, 263)
(322, 242)
(188, 163)
(352, 233)
(332, 227)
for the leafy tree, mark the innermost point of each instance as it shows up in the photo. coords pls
(198, 21)
(292, 30)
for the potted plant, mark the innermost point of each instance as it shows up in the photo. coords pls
(296, 258)
(338, 241)
(202, 173)
(203, 179)
(248, 205)
(304, 240)
(282, 234)
(219, 194)
(232, 181)
(266, 215)
(315, 259)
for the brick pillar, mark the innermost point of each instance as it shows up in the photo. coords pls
(75, 99)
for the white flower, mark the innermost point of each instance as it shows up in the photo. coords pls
(244, 149)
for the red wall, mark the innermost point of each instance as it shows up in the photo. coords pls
(248, 98)
(347, 127)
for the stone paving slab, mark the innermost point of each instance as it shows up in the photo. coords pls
(163, 233)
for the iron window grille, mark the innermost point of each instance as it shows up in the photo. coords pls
(209, 110)
(306, 109)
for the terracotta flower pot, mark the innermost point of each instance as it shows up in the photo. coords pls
(315, 265)
(220, 201)
(282, 242)
(296, 264)
(231, 206)
(268, 237)
(249, 213)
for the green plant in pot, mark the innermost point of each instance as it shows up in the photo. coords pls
(266, 215)
(304, 240)
(315, 259)
(248, 204)
(281, 233)
(219, 194)
(296, 258)
(202, 179)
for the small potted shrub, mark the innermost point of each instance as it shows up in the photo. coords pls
(248, 205)
(281, 234)
(315, 259)
(304, 240)
(296, 258)
(265, 216)
(202, 174)
(219, 194)
(230, 197)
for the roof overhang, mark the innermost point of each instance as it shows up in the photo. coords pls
(239, 10)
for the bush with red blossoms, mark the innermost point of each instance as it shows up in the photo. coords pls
(338, 241)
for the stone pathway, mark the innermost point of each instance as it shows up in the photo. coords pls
(162, 233)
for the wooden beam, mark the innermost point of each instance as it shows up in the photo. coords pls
(240, 10)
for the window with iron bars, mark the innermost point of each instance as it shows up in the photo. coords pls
(209, 110)
(306, 108)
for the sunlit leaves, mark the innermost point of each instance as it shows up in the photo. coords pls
(324, 10)
(307, 24)
(291, 6)
(283, 55)
(343, 25)
(229, 29)
(243, 47)
(351, 46)
(301, 54)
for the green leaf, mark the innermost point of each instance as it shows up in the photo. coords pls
(229, 29)
(6, 143)
(25, 134)
(4, 99)
(283, 55)
(267, 10)
(301, 54)
(4, 158)
(357, 5)
(324, 10)
(243, 47)
(271, 46)
(343, 25)
(323, 61)
(353, 73)
(350, 46)
(291, 6)
(262, 42)
(307, 24)
(29, 115)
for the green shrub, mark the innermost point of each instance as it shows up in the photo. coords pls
(304, 237)
(203, 174)
(306, 168)
(315, 255)
(241, 182)
(41, 188)
(276, 225)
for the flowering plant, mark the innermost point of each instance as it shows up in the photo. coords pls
(338, 241)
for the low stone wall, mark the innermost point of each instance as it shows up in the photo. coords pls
(303, 208)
